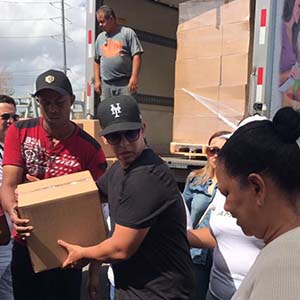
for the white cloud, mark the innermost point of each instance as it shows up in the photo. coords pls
(33, 42)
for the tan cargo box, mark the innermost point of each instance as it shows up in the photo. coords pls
(66, 207)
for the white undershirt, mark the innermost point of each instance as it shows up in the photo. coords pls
(234, 254)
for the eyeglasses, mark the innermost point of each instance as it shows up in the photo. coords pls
(212, 151)
(7, 116)
(116, 137)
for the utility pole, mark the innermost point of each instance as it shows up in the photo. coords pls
(64, 35)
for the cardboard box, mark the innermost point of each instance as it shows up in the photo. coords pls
(234, 69)
(211, 68)
(235, 11)
(92, 127)
(193, 14)
(236, 38)
(197, 72)
(66, 207)
(199, 42)
(197, 116)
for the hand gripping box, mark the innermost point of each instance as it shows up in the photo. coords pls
(66, 207)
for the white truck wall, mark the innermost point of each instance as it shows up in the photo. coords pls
(158, 71)
(156, 118)
(147, 16)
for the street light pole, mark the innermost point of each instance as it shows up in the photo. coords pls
(64, 35)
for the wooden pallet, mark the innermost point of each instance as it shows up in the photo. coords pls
(194, 150)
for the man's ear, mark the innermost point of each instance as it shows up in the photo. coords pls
(104, 140)
(258, 186)
(143, 129)
(72, 99)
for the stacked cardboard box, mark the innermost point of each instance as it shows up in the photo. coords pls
(211, 68)
(92, 127)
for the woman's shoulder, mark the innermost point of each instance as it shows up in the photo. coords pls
(199, 182)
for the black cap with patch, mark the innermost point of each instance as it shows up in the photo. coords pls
(119, 113)
(54, 80)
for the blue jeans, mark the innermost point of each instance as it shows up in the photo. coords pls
(6, 290)
(112, 292)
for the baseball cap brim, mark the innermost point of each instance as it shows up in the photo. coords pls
(121, 127)
(54, 88)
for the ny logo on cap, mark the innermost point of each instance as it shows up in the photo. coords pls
(115, 110)
(49, 79)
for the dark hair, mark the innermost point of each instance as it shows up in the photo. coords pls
(288, 10)
(108, 12)
(7, 99)
(266, 147)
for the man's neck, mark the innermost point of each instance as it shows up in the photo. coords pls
(59, 133)
(114, 30)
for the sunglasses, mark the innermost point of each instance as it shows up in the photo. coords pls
(7, 116)
(116, 137)
(212, 151)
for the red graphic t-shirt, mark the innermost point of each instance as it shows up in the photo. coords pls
(28, 145)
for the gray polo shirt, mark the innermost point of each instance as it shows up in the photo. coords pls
(115, 52)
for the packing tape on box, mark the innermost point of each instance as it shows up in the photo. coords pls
(221, 110)
(57, 185)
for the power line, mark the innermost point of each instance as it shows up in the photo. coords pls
(24, 71)
(53, 36)
(25, 20)
(29, 37)
(29, 2)
(53, 19)
(52, 3)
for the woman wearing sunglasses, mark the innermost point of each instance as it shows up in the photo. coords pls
(234, 252)
(198, 193)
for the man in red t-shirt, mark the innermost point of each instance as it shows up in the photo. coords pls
(45, 147)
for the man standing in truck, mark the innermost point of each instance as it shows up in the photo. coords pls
(148, 247)
(117, 57)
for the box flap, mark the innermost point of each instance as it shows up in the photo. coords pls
(54, 189)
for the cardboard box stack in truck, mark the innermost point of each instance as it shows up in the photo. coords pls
(213, 40)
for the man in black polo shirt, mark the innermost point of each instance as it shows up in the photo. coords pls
(148, 248)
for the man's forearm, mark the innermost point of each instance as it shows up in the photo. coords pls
(12, 176)
(201, 238)
(107, 251)
(97, 74)
(136, 65)
(122, 245)
(8, 199)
